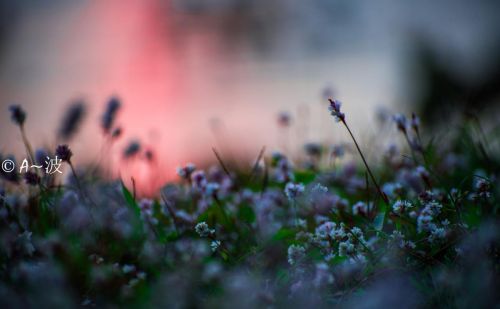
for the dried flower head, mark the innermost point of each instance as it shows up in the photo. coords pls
(132, 149)
(64, 153)
(17, 114)
(109, 115)
(116, 133)
(415, 122)
(72, 120)
(334, 109)
(284, 119)
(313, 149)
(400, 121)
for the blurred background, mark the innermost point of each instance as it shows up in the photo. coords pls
(193, 74)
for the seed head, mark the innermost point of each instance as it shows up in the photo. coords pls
(64, 153)
(334, 109)
(284, 119)
(72, 120)
(17, 114)
(313, 149)
(108, 118)
(116, 133)
(400, 121)
(415, 122)
(132, 149)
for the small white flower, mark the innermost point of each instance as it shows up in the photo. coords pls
(214, 245)
(346, 248)
(127, 268)
(211, 188)
(319, 188)
(437, 233)
(203, 230)
(339, 233)
(295, 254)
(325, 229)
(400, 206)
(361, 208)
(292, 190)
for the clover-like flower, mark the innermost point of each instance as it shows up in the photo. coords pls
(203, 229)
(295, 254)
(400, 207)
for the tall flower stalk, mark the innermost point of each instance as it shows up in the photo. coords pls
(340, 117)
(18, 116)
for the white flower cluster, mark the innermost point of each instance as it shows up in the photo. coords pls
(203, 230)
(401, 206)
(293, 190)
(399, 240)
(295, 254)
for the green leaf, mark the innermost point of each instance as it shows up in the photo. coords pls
(246, 213)
(378, 222)
(132, 204)
(305, 177)
(130, 200)
(283, 234)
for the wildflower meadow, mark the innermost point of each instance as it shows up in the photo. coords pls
(415, 224)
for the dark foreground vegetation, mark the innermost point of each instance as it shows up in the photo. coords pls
(415, 225)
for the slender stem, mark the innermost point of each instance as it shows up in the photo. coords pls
(221, 162)
(172, 213)
(221, 209)
(82, 192)
(411, 148)
(384, 197)
(294, 208)
(27, 145)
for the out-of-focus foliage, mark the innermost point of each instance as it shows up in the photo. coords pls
(313, 232)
